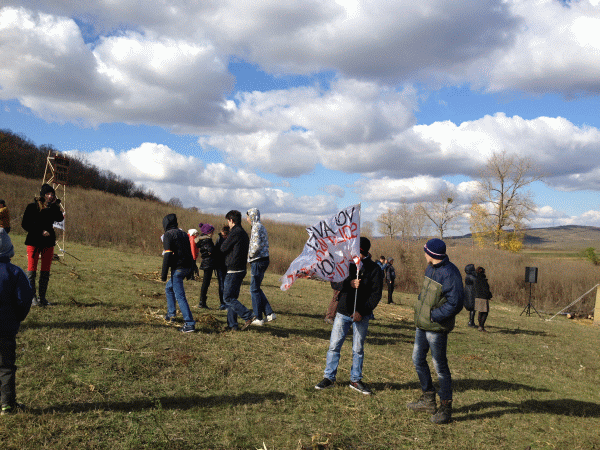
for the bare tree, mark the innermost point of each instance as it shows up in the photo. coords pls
(388, 223)
(405, 215)
(175, 202)
(502, 202)
(442, 211)
(420, 220)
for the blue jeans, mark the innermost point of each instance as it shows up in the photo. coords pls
(231, 292)
(341, 327)
(260, 304)
(437, 342)
(175, 292)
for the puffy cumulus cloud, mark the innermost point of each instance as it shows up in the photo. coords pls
(289, 132)
(148, 162)
(566, 153)
(411, 190)
(557, 49)
(130, 77)
(547, 216)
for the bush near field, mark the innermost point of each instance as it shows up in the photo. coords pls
(105, 220)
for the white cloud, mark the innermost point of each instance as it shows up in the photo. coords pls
(335, 190)
(555, 50)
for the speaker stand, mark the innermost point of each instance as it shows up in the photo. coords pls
(530, 306)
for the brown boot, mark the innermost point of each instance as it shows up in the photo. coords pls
(425, 403)
(444, 413)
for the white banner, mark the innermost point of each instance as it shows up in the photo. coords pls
(332, 245)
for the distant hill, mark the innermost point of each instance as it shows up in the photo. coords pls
(566, 237)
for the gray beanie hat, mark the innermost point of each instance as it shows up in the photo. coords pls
(6, 246)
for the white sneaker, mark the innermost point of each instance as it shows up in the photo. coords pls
(258, 323)
(271, 317)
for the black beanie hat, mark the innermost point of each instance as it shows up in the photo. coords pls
(365, 245)
(46, 188)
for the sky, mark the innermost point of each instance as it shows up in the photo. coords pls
(303, 108)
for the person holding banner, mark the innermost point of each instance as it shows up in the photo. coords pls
(38, 221)
(359, 295)
(235, 250)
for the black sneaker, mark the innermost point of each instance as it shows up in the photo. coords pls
(324, 384)
(11, 409)
(360, 387)
(188, 329)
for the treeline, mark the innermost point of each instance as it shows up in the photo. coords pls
(19, 156)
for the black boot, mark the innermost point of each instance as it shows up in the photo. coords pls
(44, 279)
(425, 403)
(444, 413)
(31, 278)
(472, 319)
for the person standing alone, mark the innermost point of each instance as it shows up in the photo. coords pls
(390, 279)
(440, 300)
(38, 221)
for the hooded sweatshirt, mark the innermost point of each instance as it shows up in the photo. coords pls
(259, 239)
(177, 253)
(15, 292)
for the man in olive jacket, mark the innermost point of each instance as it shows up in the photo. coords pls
(440, 300)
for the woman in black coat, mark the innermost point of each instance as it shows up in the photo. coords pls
(38, 221)
(482, 297)
(469, 301)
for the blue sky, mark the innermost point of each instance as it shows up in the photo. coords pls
(303, 108)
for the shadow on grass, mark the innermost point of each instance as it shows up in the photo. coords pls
(520, 331)
(462, 385)
(561, 407)
(170, 403)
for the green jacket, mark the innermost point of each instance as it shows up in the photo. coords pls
(429, 299)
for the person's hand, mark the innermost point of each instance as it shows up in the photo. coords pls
(355, 283)
(356, 317)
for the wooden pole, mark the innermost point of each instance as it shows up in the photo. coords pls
(597, 307)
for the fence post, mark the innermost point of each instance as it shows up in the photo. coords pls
(597, 307)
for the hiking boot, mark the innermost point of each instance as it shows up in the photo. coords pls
(248, 322)
(187, 329)
(472, 325)
(425, 403)
(271, 317)
(360, 387)
(444, 412)
(324, 384)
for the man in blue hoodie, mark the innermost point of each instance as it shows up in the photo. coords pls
(440, 300)
(15, 301)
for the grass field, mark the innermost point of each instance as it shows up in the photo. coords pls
(100, 369)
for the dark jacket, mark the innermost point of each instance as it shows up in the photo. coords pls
(482, 288)
(470, 287)
(235, 248)
(177, 253)
(15, 297)
(218, 256)
(441, 297)
(390, 274)
(369, 290)
(39, 217)
(207, 249)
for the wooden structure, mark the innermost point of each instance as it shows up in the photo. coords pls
(56, 175)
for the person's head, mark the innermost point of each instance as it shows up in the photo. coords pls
(365, 246)
(6, 247)
(480, 270)
(390, 261)
(170, 222)
(47, 193)
(225, 230)
(234, 217)
(2, 203)
(382, 258)
(193, 232)
(435, 250)
(253, 215)
(206, 229)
